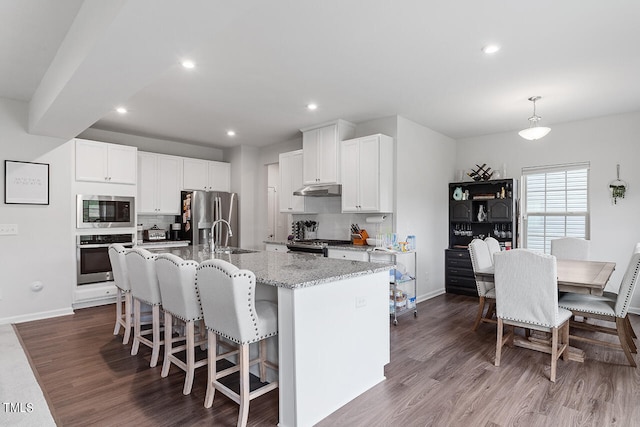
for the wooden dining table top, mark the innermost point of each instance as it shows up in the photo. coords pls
(582, 277)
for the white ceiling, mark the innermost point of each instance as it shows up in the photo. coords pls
(260, 62)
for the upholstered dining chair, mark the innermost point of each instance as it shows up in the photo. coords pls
(481, 259)
(571, 248)
(227, 296)
(141, 266)
(615, 311)
(180, 300)
(527, 296)
(123, 290)
(493, 245)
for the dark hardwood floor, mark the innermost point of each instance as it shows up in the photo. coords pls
(441, 374)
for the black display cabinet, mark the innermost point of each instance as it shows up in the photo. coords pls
(478, 209)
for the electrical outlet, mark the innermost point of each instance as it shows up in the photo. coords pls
(8, 229)
(361, 302)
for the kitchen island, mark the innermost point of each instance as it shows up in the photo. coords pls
(333, 326)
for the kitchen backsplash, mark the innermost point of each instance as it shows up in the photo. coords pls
(162, 221)
(338, 225)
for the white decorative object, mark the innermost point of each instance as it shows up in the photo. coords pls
(482, 215)
(617, 187)
(26, 183)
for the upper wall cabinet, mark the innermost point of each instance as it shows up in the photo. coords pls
(159, 184)
(104, 162)
(290, 180)
(206, 175)
(367, 174)
(321, 151)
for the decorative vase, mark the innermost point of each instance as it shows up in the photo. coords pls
(482, 215)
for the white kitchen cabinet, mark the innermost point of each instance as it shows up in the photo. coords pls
(276, 247)
(104, 162)
(355, 255)
(206, 175)
(367, 174)
(321, 148)
(291, 180)
(159, 184)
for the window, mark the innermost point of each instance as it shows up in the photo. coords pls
(555, 204)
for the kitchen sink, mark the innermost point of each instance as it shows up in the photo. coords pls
(234, 251)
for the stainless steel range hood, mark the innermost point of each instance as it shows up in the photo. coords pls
(319, 190)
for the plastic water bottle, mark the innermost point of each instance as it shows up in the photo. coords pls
(411, 243)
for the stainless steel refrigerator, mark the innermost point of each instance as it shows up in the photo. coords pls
(200, 209)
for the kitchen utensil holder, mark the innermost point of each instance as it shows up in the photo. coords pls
(360, 239)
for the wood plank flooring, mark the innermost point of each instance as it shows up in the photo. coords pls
(441, 374)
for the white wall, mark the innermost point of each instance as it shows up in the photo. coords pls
(424, 166)
(42, 250)
(603, 141)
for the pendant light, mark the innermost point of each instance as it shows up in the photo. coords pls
(534, 131)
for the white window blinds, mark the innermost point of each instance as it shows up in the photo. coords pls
(555, 204)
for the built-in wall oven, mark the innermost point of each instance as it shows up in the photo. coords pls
(93, 256)
(105, 211)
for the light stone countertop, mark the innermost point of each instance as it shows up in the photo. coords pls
(287, 270)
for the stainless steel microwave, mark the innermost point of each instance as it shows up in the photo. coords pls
(105, 211)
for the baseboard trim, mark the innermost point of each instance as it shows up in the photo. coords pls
(36, 316)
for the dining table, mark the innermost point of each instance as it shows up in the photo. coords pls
(577, 276)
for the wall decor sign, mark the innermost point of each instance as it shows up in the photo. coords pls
(26, 183)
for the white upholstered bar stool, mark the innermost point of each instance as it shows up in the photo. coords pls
(227, 296)
(180, 300)
(571, 248)
(141, 266)
(527, 296)
(493, 245)
(123, 290)
(481, 259)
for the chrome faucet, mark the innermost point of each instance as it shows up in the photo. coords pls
(213, 235)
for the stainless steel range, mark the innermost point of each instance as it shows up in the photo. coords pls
(315, 246)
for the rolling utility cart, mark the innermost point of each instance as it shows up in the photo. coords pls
(403, 287)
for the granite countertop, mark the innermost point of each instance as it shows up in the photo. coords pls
(287, 270)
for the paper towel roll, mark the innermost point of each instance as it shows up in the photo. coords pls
(375, 219)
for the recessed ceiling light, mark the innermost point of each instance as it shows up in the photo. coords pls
(231, 133)
(188, 64)
(312, 107)
(121, 110)
(489, 49)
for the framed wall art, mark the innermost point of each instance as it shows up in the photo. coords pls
(26, 183)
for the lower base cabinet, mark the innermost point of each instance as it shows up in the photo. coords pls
(458, 272)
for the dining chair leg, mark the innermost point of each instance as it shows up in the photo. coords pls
(136, 327)
(191, 358)
(168, 344)
(244, 385)
(622, 336)
(499, 342)
(554, 353)
(565, 340)
(628, 321)
(212, 345)
(262, 349)
(155, 352)
(629, 335)
(480, 313)
(128, 302)
(119, 300)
